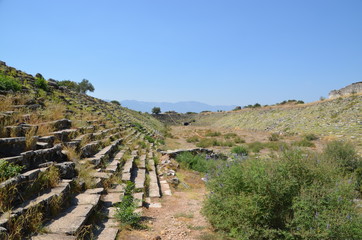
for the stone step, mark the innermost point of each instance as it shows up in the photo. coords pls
(54, 236)
(140, 177)
(44, 200)
(73, 218)
(127, 168)
(12, 146)
(166, 191)
(142, 162)
(113, 166)
(65, 135)
(138, 199)
(89, 149)
(154, 191)
(110, 226)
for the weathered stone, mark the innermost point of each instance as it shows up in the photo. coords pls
(12, 146)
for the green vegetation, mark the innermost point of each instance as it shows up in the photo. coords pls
(274, 137)
(125, 212)
(85, 86)
(41, 83)
(230, 135)
(200, 163)
(209, 142)
(310, 137)
(240, 150)
(8, 170)
(291, 101)
(116, 102)
(344, 154)
(303, 143)
(81, 87)
(298, 195)
(193, 139)
(212, 134)
(256, 105)
(8, 83)
(156, 110)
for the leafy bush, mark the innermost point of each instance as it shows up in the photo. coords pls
(200, 163)
(149, 139)
(8, 170)
(295, 196)
(125, 209)
(8, 83)
(240, 150)
(41, 83)
(344, 154)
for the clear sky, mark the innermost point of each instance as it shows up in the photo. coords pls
(217, 52)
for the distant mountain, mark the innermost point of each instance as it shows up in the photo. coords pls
(180, 107)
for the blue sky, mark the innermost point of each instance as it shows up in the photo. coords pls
(217, 52)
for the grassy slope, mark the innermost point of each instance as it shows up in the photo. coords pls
(339, 118)
(83, 107)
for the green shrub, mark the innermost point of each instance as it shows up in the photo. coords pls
(8, 83)
(344, 154)
(192, 139)
(303, 143)
(311, 137)
(226, 143)
(41, 83)
(230, 135)
(125, 209)
(240, 150)
(295, 196)
(199, 162)
(207, 142)
(149, 139)
(8, 170)
(212, 134)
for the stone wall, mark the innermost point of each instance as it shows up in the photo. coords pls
(350, 89)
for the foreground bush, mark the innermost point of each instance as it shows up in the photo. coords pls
(8, 83)
(295, 196)
(125, 211)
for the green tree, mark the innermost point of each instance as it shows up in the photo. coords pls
(116, 102)
(85, 86)
(70, 85)
(156, 110)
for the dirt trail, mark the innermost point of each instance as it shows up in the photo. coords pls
(179, 217)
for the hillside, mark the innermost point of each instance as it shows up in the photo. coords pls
(68, 161)
(338, 118)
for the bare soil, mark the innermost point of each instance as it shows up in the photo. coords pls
(180, 215)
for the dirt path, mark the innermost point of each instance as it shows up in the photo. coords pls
(179, 217)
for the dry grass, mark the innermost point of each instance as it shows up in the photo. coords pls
(53, 111)
(85, 174)
(72, 154)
